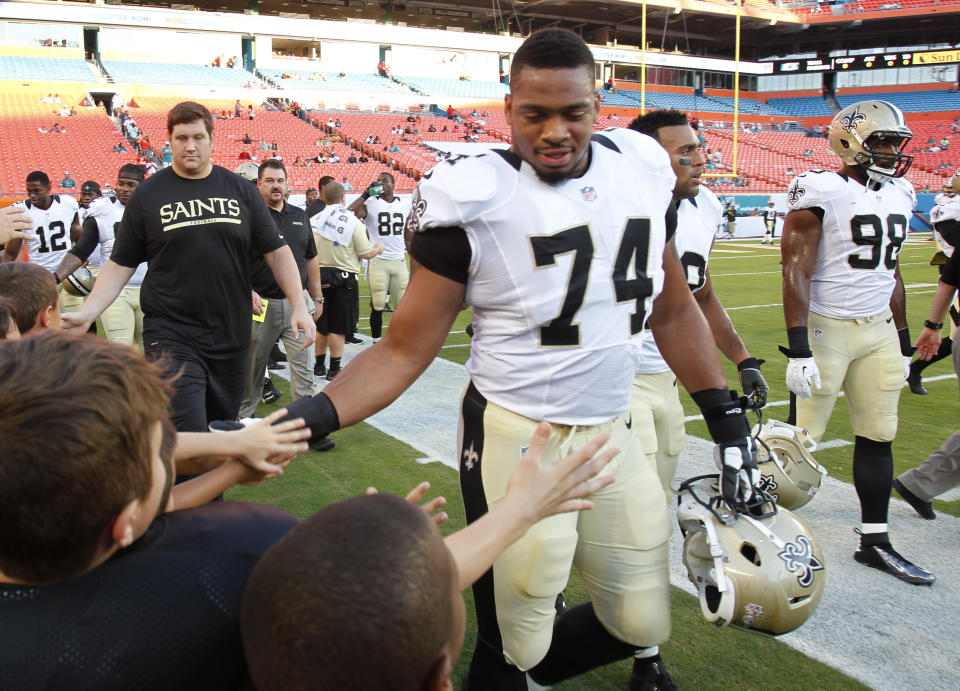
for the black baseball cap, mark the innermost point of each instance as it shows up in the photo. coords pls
(90, 186)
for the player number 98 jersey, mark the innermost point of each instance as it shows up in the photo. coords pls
(863, 230)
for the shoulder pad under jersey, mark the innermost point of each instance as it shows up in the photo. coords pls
(814, 188)
(460, 189)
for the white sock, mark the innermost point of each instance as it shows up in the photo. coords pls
(871, 528)
(644, 653)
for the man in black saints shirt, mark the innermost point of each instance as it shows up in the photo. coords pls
(99, 588)
(198, 226)
(271, 308)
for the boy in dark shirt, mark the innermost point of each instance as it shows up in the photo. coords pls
(99, 588)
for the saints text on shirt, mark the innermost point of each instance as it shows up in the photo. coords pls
(199, 212)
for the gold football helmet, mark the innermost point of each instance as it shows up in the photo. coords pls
(762, 573)
(79, 283)
(788, 472)
(852, 129)
(248, 171)
(951, 187)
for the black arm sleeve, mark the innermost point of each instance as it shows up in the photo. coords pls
(445, 251)
(949, 231)
(950, 272)
(87, 242)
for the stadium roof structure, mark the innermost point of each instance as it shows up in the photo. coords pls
(698, 27)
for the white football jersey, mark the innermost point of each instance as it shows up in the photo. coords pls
(863, 231)
(697, 221)
(108, 212)
(385, 222)
(947, 209)
(51, 229)
(770, 213)
(562, 276)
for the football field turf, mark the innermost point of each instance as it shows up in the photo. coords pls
(746, 276)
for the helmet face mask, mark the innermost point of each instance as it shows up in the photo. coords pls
(788, 471)
(857, 130)
(762, 574)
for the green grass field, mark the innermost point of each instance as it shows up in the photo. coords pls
(699, 655)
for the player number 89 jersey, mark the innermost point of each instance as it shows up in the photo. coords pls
(863, 231)
(561, 277)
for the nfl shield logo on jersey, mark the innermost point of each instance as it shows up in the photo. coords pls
(589, 194)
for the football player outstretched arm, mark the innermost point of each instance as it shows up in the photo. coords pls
(684, 339)
(13, 224)
(730, 344)
(379, 374)
(929, 341)
(111, 280)
(287, 275)
(534, 492)
(82, 249)
(802, 230)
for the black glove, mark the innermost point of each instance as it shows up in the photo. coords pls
(752, 382)
(735, 453)
(319, 414)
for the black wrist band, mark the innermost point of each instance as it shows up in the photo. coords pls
(724, 413)
(318, 412)
(797, 338)
(906, 347)
(936, 326)
(750, 363)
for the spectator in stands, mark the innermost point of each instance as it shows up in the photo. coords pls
(264, 145)
(451, 112)
(150, 168)
(274, 146)
(431, 129)
(250, 113)
(334, 158)
(68, 183)
(363, 159)
(376, 139)
(394, 148)
(944, 144)
(299, 162)
(345, 184)
(337, 123)
(694, 122)
(119, 148)
(166, 154)
(330, 123)
(244, 155)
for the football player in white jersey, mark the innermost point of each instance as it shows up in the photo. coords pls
(770, 221)
(561, 247)
(655, 406)
(123, 319)
(384, 215)
(56, 223)
(844, 303)
(945, 216)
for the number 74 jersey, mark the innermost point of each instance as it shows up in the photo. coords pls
(561, 277)
(51, 230)
(863, 231)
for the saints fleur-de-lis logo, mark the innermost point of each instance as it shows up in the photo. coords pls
(937, 213)
(799, 559)
(470, 457)
(796, 192)
(769, 485)
(850, 121)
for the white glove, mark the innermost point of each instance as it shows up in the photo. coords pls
(906, 365)
(801, 373)
(737, 462)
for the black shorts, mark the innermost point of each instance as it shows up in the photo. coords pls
(339, 292)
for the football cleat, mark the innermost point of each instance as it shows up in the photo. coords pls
(884, 557)
(650, 674)
(324, 443)
(924, 508)
(277, 355)
(273, 365)
(319, 368)
(353, 339)
(915, 381)
(270, 393)
(230, 425)
(331, 373)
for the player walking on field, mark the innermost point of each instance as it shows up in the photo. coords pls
(562, 247)
(845, 305)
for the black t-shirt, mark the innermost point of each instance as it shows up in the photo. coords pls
(162, 614)
(199, 237)
(296, 232)
(315, 207)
